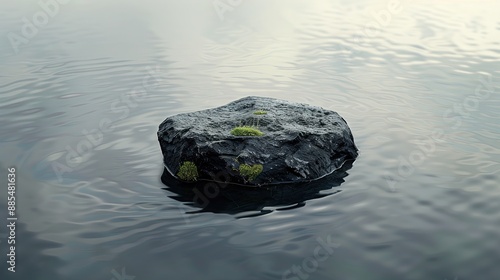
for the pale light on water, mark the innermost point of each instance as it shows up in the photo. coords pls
(84, 89)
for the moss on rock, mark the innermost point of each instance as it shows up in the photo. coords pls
(188, 171)
(260, 112)
(250, 172)
(246, 131)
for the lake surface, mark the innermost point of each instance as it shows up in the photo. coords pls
(84, 89)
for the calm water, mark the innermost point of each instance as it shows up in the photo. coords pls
(82, 95)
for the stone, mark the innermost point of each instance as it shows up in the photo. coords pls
(256, 141)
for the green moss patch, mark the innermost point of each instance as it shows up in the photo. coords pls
(260, 112)
(250, 172)
(246, 131)
(188, 171)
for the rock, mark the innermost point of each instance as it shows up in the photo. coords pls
(281, 142)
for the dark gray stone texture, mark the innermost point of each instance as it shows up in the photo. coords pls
(300, 142)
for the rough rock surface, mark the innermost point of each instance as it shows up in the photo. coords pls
(300, 142)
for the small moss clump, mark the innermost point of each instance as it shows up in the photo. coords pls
(250, 172)
(260, 112)
(246, 131)
(188, 171)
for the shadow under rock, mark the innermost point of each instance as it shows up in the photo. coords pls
(221, 197)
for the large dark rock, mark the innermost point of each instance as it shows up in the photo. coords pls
(300, 143)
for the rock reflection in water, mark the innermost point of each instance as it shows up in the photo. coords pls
(220, 197)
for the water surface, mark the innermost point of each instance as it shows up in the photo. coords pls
(81, 101)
